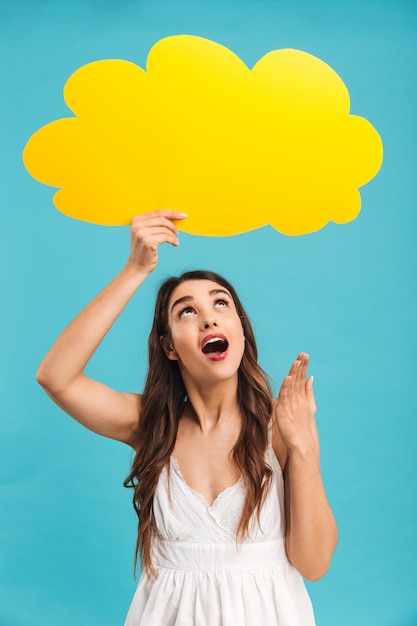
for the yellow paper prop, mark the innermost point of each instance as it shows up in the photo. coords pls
(199, 132)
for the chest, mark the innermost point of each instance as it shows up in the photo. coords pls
(206, 463)
(191, 514)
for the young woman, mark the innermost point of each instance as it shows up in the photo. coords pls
(226, 480)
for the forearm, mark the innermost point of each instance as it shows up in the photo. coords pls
(311, 528)
(71, 352)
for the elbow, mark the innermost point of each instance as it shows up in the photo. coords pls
(315, 569)
(44, 379)
(315, 565)
(48, 383)
(53, 382)
(322, 564)
(41, 379)
(319, 566)
(316, 573)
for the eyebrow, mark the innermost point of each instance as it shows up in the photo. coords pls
(213, 292)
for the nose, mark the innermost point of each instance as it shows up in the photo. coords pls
(209, 321)
(209, 324)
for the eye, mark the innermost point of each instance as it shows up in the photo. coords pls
(186, 312)
(221, 303)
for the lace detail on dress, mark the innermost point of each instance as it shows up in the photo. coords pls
(182, 513)
(174, 462)
(188, 516)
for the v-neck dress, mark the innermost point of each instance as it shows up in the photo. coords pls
(204, 577)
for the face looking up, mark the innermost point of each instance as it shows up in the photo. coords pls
(207, 337)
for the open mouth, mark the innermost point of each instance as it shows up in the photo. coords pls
(215, 345)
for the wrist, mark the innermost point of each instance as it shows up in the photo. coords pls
(303, 449)
(134, 271)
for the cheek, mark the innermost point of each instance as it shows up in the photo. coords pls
(239, 341)
(243, 346)
(181, 341)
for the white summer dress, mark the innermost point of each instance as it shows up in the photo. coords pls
(204, 579)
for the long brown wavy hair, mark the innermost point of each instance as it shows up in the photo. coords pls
(162, 405)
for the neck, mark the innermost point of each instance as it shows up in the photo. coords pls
(212, 405)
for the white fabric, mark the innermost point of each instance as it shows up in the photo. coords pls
(204, 578)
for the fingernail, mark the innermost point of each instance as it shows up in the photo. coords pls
(312, 379)
(297, 363)
(183, 214)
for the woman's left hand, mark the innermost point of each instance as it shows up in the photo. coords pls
(311, 530)
(295, 408)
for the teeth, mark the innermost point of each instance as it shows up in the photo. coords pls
(212, 340)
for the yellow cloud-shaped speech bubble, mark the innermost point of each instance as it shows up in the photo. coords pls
(199, 132)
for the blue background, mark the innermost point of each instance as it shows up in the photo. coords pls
(345, 294)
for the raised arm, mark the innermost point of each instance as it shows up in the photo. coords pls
(311, 534)
(96, 406)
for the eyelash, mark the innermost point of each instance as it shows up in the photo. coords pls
(182, 311)
(190, 308)
(222, 300)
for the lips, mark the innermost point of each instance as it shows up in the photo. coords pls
(214, 345)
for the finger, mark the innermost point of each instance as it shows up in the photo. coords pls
(294, 374)
(170, 215)
(173, 241)
(154, 231)
(299, 371)
(147, 236)
(157, 238)
(303, 368)
(310, 394)
(156, 222)
(294, 368)
(298, 383)
(285, 388)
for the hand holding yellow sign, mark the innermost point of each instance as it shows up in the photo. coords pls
(201, 133)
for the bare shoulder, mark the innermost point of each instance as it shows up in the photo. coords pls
(278, 445)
